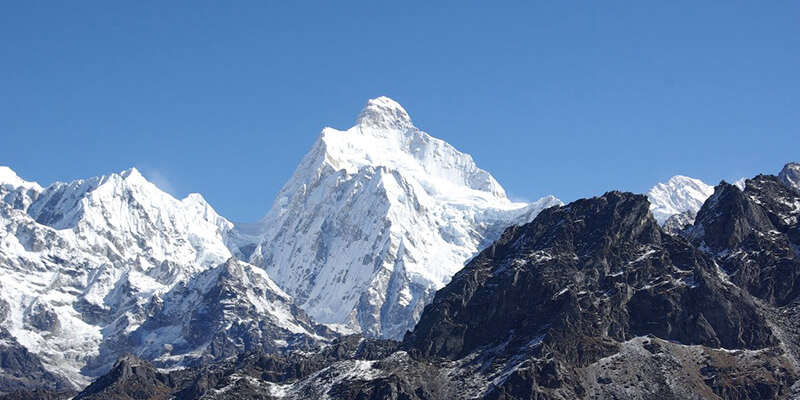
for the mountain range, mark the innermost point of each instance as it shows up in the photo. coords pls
(356, 276)
(593, 299)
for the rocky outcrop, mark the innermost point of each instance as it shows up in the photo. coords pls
(678, 222)
(587, 277)
(248, 375)
(790, 175)
(227, 310)
(754, 237)
(131, 378)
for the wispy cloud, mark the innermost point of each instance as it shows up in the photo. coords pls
(516, 198)
(158, 178)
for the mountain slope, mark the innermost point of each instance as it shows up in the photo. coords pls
(221, 312)
(375, 219)
(753, 234)
(84, 265)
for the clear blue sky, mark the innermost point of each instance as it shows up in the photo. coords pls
(568, 98)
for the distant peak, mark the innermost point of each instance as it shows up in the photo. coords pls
(790, 175)
(195, 197)
(685, 179)
(384, 113)
(131, 173)
(679, 194)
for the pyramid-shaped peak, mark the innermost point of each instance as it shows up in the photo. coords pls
(131, 173)
(384, 113)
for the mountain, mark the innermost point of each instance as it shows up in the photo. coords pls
(753, 234)
(378, 217)
(223, 311)
(594, 286)
(94, 268)
(679, 195)
(790, 175)
(590, 300)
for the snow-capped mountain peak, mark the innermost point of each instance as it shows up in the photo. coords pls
(376, 218)
(383, 114)
(678, 195)
(385, 137)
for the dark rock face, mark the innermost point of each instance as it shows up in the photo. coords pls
(590, 300)
(753, 235)
(586, 276)
(130, 378)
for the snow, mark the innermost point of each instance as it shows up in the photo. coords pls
(678, 195)
(94, 253)
(10, 178)
(644, 256)
(318, 385)
(376, 218)
(15, 191)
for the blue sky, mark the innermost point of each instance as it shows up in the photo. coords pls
(563, 98)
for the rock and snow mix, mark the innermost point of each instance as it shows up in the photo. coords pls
(372, 223)
(83, 265)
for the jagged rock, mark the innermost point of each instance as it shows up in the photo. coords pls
(131, 378)
(753, 235)
(678, 222)
(248, 375)
(594, 273)
(227, 310)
